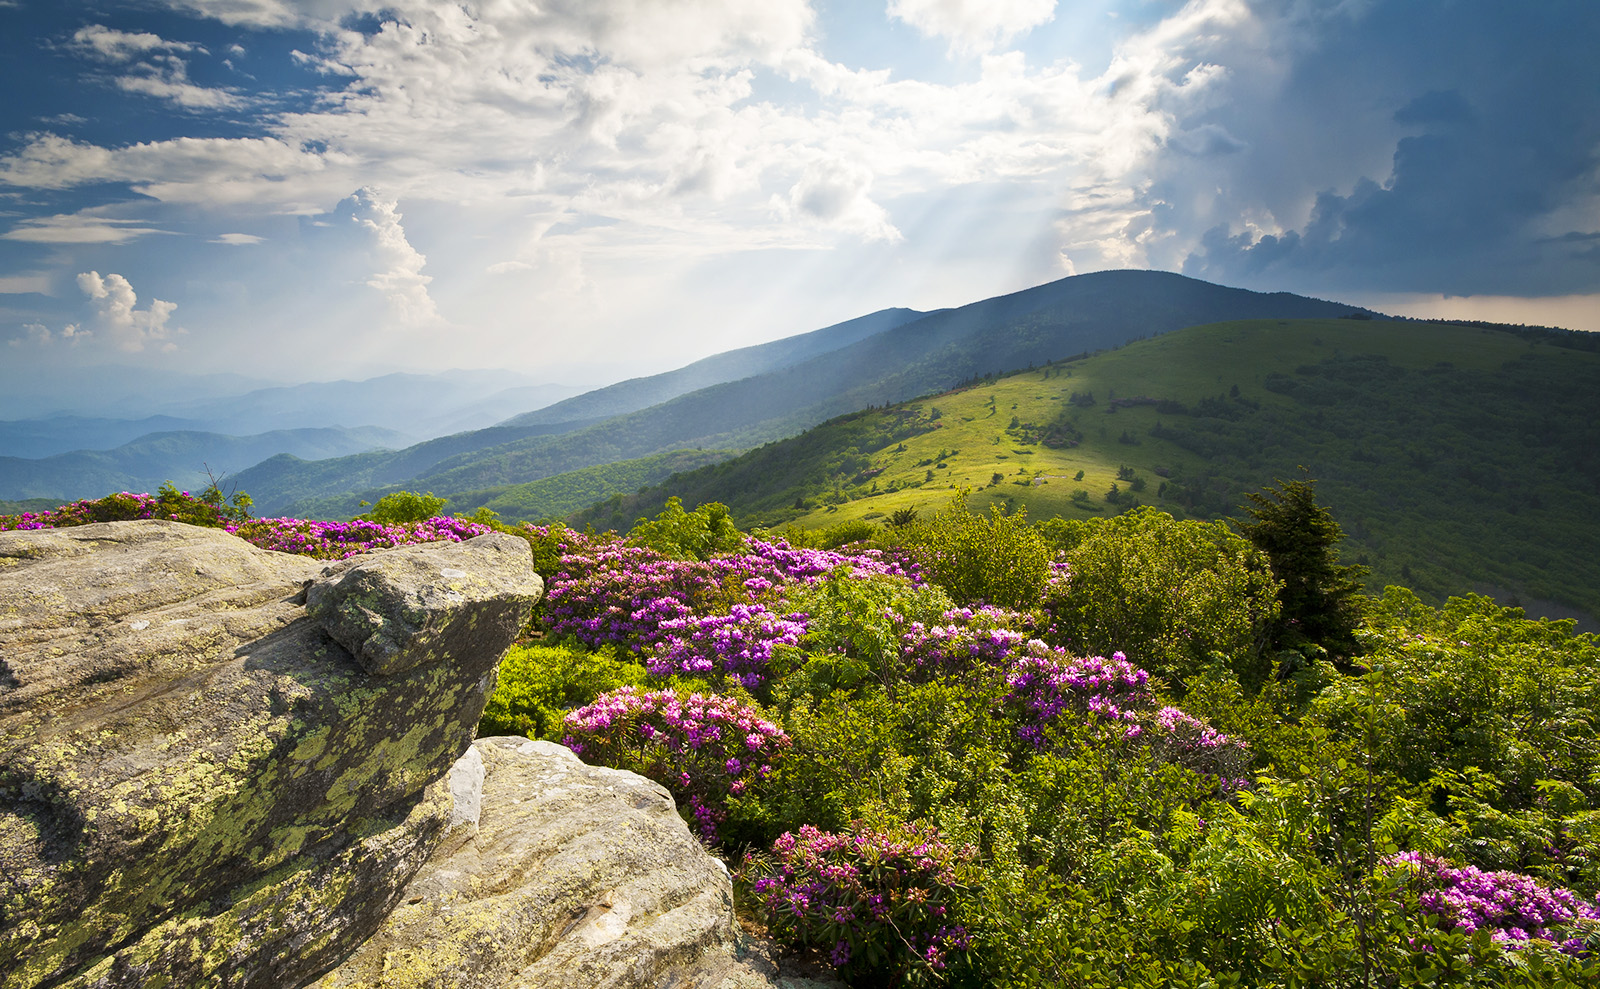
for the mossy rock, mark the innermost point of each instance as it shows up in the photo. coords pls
(198, 784)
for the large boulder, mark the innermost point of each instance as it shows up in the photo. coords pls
(571, 877)
(203, 784)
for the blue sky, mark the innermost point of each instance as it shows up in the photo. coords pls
(589, 189)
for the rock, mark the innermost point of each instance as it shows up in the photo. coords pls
(575, 876)
(199, 785)
(398, 610)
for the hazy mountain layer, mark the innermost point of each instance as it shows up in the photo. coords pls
(181, 457)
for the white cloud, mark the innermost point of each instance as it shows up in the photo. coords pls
(128, 328)
(237, 239)
(834, 193)
(123, 46)
(973, 25)
(507, 267)
(85, 227)
(166, 77)
(399, 265)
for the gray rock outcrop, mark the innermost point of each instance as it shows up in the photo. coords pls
(203, 784)
(574, 876)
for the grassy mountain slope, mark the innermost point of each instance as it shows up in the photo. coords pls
(1457, 457)
(179, 456)
(1069, 316)
(640, 393)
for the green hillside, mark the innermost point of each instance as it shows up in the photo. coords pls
(1080, 314)
(547, 498)
(1457, 457)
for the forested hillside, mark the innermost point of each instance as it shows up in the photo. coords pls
(1460, 457)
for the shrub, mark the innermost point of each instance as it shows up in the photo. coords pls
(702, 747)
(400, 507)
(208, 509)
(738, 645)
(696, 535)
(539, 684)
(996, 559)
(880, 903)
(1177, 597)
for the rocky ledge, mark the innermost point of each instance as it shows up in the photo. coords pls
(205, 782)
(223, 766)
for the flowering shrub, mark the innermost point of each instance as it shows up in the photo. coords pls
(704, 748)
(169, 503)
(1046, 683)
(1186, 740)
(1512, 907)
(878, 902)
(338, 540)
(609, 593)
(612, 593)
(967, 637)
(738, 645)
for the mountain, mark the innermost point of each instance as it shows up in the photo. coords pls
(422, 406)
(1457, 457)
(181, 457)
(640, 393)
(412, 407)
(46, 437)
(902, 359)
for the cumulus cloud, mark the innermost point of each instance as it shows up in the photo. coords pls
(835, 194)
(973, 25)
(398, 273)
(166, 77)
(116, 314)
(151, 65)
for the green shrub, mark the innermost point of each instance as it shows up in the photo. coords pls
(696, 535)
(1176, 597)
(405, 506)
(996, 559)
(539, 684)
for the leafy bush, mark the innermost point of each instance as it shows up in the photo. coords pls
(702, 747)
(696, 535)
(400, 507)
(209, 509)
(1176, 597)
(879, 902)
(539, 684)
(997, 560)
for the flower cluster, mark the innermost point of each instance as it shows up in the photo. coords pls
(1046, 683)
(878, 902)
(702, 747)
(339, 540)
(1513, 908)
(738, 645)
(1181, 738)
(613, 593)
(610, 593)
(966, 638)
(124, 506)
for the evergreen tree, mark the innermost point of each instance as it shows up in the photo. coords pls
(1321, 601)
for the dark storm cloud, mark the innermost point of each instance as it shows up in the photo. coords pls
(1493, 132)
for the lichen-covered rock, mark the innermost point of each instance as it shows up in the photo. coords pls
(394, 611)
(198, 784)
(575, 876)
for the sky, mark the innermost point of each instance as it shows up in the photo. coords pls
(584, 190)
